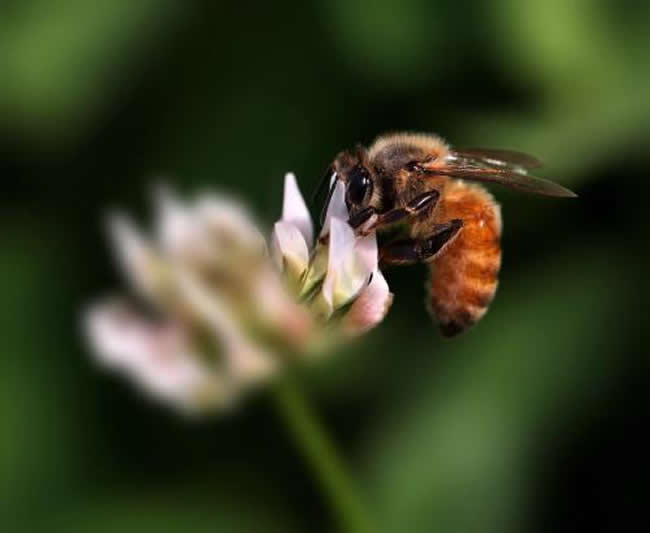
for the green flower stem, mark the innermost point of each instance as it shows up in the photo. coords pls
(343, 497)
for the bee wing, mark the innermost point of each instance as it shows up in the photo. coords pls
(506, 177)
(498, 158)
(506, 168)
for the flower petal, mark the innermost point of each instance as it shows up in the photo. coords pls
(294, 209)
(341, 248)
(277, 312)
(350, 263)
(140, 262)
(178, 233)
(228, 224)
(317, 269)
(157, 357)
(248, 363)
(336, 207)
(289, 249)
(370, 307)
(366, 252)
(207, 232)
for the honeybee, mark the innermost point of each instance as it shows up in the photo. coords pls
(420, 184)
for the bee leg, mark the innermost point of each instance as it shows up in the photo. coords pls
(368, 219)
(408, 252)
(365, 220)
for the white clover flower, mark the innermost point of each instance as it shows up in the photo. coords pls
(341, 263)
(230, 310)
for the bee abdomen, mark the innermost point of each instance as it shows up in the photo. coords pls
(463, 278)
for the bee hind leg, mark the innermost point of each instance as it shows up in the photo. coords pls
(410, 251)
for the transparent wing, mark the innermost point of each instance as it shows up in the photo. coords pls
(504, 167)
(499, 158)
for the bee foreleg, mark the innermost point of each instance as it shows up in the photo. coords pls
(410, 251)
(368, 219)
(365, 220)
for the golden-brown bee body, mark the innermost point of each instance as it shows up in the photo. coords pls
(463, 278)
(451, 224)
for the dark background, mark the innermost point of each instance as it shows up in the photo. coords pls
(534, 420)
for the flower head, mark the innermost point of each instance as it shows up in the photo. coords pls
(228, 308)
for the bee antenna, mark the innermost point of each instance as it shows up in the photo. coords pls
(323, 212)
(322, 184)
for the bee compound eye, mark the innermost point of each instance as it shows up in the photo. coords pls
(359, 185)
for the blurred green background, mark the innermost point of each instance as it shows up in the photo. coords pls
(532, 421)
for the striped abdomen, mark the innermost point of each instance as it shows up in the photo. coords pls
(463, 277)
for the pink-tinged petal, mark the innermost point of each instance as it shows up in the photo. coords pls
(370, 307)
(115, 339)
(294, 209)
(336, 207)
(278, 312)
(139, 261)
(156, 357)
(289, 249)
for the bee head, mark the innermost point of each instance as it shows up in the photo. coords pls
(352, 168)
